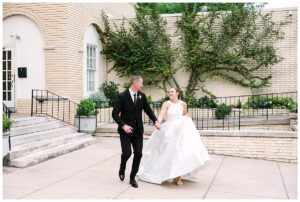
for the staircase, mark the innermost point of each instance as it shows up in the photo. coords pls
(37, 139)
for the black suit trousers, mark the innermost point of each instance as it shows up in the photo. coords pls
(134, 139)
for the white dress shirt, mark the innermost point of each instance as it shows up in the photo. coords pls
(132, 94)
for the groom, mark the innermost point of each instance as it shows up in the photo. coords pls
(127, 112)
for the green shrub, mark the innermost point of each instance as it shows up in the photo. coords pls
(263, 102)
(202, 102)
(110, 90)
(149, 99)
(126, 85)
(190, 101)
(207, 102)
(6, 123)
(222, 111)
(238, 105)
(99, 99)
(86, 108)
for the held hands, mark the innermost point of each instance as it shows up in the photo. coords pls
(127, 129)
(157, 125)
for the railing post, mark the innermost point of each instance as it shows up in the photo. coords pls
(9, 142)
(31, 102)
(79, 124)
(63, 109)
(239, 119)
(47, 103)
(267, 107)
(41, 102)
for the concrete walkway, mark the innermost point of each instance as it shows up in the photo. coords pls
(91, 173)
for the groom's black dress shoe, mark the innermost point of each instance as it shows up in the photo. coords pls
(133, 183)
(121, 176)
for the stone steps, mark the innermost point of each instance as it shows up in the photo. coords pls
(47, 154)
(37, 139)
(23, 139)
(23, 121)
(36, 146)
(32, 128)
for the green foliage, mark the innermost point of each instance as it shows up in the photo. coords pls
(149, 99)
(204, 102)
(231, 41)
(126, 85)
(222, 111)
(263, 102)
(164, 8)
(86, 108)
(190, 101)
(207, 102)
(144, 48)
(6, 123)
(238, 105)
(99, 99)
(111, 91)
(229, 45)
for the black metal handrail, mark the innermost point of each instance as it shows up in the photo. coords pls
(50, 104)
(6, 110)
(243, 108)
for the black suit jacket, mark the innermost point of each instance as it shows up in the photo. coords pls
(125, 112)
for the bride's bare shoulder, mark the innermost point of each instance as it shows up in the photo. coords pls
(166, 104)
(183, 103)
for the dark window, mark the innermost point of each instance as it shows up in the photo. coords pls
(8, 55)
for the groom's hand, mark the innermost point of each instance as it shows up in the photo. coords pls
(127, 129)
(157, 125)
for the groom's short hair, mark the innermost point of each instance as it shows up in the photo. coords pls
(135, 78)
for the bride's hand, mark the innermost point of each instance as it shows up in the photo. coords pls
(157, 125)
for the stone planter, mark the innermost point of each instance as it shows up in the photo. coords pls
(5, 143)
(87, 123)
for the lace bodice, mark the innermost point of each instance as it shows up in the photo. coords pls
(175, 111)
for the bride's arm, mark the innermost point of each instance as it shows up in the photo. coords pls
(163, 112)
(185, 112)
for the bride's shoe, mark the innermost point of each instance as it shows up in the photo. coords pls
(178, 181)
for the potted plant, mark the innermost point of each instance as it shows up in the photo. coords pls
(6, 123)
(86, 116)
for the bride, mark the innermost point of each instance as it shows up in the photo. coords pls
(176, 150)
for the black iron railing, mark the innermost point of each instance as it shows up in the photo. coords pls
(45, 102)
(6, 110)
(242, 109)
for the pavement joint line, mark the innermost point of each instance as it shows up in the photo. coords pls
(39, 189)
(287, 194)
(213, 178)
(122, 192)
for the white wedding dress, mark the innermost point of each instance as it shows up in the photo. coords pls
(174, 150)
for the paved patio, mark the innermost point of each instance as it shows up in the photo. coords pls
(91, 173)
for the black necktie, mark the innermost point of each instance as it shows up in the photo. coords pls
(134, 98)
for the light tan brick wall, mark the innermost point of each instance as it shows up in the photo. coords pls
(284, 73)
(23, 106)
(268, 148)
(63, 26)
(266, 145)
